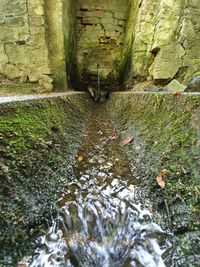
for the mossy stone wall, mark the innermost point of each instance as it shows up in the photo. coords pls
(61, 28)
(56, 44)
(37, 43)
(163, 36)
(100, 36)
(23, 46)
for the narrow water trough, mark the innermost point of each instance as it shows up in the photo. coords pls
(113, 184)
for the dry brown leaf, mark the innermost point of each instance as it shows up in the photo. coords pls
(127, 140)
(177, 94)
(160, 178)
(114, 137)
(164, 172)
(80, 158)
(160, 181)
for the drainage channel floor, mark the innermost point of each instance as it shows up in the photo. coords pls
(105, 218)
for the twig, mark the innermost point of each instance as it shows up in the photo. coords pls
(168, 212)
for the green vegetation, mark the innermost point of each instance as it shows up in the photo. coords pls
(39, 140)
(20, 89)
(166, 131)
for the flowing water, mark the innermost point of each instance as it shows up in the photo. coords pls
(105, 216)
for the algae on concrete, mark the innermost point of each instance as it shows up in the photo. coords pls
(166, 132)
(39, 139)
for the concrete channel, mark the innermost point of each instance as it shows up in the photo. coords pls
(112, 184)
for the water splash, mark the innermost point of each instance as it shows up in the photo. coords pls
(103, 225)
(105, 216)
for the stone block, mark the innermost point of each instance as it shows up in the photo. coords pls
(90, 21)
(109, 21)
(32, 78)
(168, 61)
(13, 7)
(36, 8)
(84, 14)
(46, 81)
(113, 28)
(194, 84)
(119, 15)
(13, 29)
(175, 86)
(11, 71)
(37, 20)
(37, 30)
(3, 57)
(122, 23)
(106, 14)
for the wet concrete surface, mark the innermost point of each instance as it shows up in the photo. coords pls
(105, 217)
(102, 149)
(103, 179)
(10, 99)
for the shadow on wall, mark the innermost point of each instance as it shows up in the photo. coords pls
(100, 39)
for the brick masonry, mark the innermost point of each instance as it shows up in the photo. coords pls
(100, 36)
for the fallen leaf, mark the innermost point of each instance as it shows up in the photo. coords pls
(160, 178)
(177, 94)
(114, 137)
(80, 158)
(164, 172)
(128, 139)
(160, 181)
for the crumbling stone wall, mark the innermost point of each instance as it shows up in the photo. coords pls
(162, 39)
(100, 35)
(56, 43)
(36, 38)
(23, 47)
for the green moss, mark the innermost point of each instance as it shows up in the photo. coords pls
(20, 89)
(39, 139)
(125, 65)
(167, 129)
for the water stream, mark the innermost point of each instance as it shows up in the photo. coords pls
(105, 216)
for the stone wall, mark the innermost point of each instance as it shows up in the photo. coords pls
(60, 17)
(57, 43)
(35, 42)
(100, 35)
(54, 17)
(69, 20)
(23, 47)
(162, 39)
